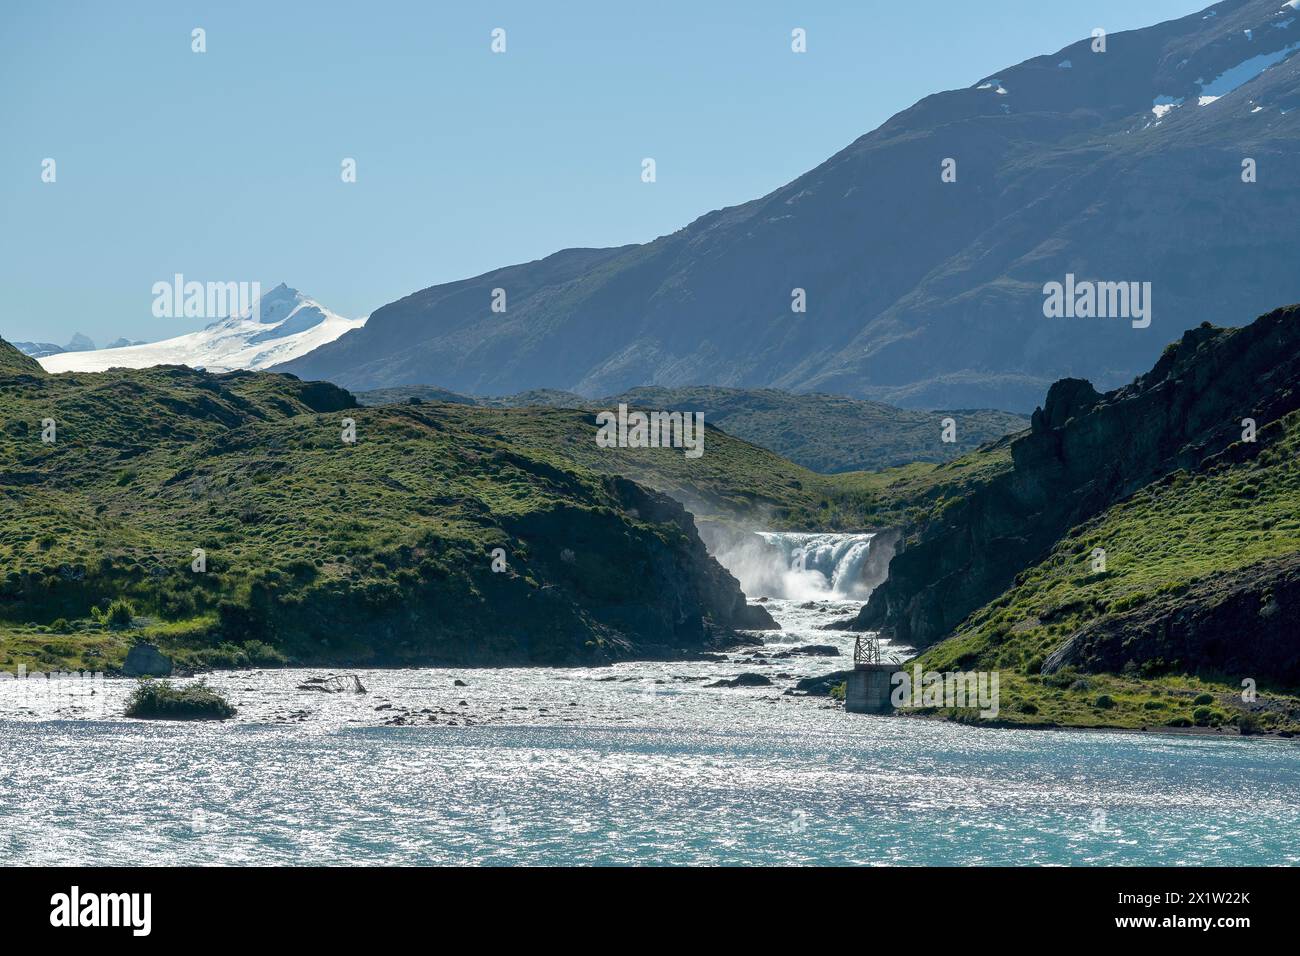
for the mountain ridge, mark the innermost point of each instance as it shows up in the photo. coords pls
(919, 292)
(828, 434)
(284, 323)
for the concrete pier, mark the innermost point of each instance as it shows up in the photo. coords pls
(868, 688)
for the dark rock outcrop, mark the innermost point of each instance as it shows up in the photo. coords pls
(743, 680)
(1084, 453)
(1244, 624)
(816, 650)
(821, 686)
(334, 684)
(145, 660)
(649, 587)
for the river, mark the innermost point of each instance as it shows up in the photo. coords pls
(635, 763)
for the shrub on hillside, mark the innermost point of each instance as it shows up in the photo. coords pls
(1208, 717)
(119, 614)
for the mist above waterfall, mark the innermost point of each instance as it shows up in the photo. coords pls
(802, 566)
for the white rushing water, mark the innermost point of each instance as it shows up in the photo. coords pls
(801, 566)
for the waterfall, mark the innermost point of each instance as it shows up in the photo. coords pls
(802, 566)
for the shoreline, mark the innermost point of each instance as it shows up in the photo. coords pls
(995, 724)
(720, 657)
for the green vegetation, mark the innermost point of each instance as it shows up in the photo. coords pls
(379, 551)
(315, 549)
(733, 479)
(14, 362)
(914, 494)
(118, 616)
(736, 480)
(1167, 546)
(827, 434)
(163, 700)
(1129, 703)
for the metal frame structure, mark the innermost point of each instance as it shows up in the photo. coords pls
(866, 649)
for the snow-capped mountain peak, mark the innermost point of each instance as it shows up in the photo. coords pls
(284, 324)
(276, 305)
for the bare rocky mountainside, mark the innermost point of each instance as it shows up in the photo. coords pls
(1117, 166)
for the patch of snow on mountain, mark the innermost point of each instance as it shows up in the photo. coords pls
(286, 325)
(1243, 73)
(1163, 104)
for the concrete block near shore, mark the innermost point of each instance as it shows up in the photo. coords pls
(868, 687)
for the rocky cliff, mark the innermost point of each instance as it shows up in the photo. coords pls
(1084, 452)
(1243, 622)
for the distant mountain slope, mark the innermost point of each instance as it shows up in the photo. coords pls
(38, 349)
(1123, 165)
(831, 433)
(289, 324)
(825, 433)
(78, 343)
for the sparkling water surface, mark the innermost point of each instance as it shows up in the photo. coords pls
(637, 763)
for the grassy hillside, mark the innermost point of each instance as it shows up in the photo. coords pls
(14, 362)
(920, 492)
(735, 480)
(317, 549)
(731, 480)
(1083, 453)
(827, 434)
(1199, 593)
(831, 433)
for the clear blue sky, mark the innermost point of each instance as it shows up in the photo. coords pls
(225, 165)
